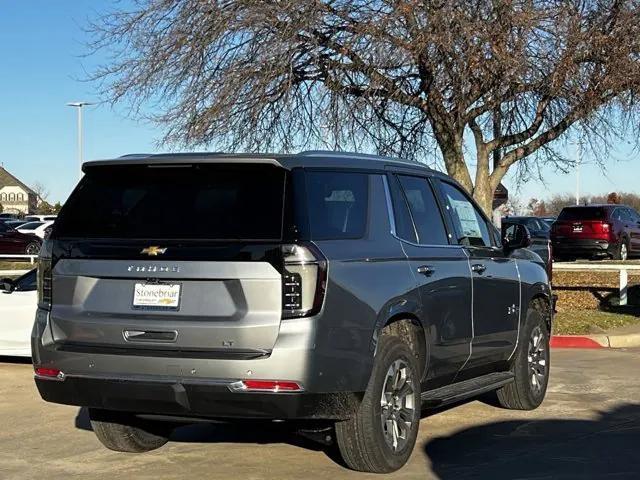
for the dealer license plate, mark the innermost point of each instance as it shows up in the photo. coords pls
(157, 296)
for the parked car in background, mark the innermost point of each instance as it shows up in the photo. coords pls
(540, 232)
(15, 224)
(18, 303)
(340, 292)
(40, 218)
(35, 228)
(548, 220)
(14, 242)
(596, 231)
(8, 216)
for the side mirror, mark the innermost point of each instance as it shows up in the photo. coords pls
(515, 236)
(7, 285)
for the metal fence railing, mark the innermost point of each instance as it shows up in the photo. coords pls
(31, 258)
(13, 273)
(622, 268)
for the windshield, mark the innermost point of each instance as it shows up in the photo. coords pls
(31, 225)
(227, 202)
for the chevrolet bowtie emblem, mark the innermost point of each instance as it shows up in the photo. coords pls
(153, 251)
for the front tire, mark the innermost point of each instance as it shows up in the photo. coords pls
(531, 364)
(124, 432)
(33, 248)
(382, 434)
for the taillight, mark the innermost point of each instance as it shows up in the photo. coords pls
(49, 373)
(270, 386)
(45, 280)
(303, 280)
(606, 227)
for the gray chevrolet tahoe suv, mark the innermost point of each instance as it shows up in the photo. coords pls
(336, 291)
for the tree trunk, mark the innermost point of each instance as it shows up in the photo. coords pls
(483, 195)
(454, 161)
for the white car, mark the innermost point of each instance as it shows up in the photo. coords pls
(35, 228)
(40, 218)
(18, 303)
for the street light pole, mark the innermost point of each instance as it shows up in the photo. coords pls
(579, 161)
(78, 106)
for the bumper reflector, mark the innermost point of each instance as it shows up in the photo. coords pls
(271, 386)
(49, 373)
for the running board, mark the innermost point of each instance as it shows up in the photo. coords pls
(467, 389)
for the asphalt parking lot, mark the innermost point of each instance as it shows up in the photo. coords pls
(589, 427)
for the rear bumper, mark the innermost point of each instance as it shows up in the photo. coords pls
(566, 246)
(211, 399)
(149, 383)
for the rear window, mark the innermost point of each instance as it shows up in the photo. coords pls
(241, 202)
(337, 203)
(583, 213)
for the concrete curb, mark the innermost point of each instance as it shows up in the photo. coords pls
(596, 341)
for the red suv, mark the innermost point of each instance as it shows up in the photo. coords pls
(596, 231)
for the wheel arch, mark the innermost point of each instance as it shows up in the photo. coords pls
(407, 326)
(541, 300)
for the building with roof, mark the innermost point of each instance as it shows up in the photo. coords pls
(15, 196)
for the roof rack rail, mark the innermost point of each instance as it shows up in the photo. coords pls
(135, 155)
(339, 154)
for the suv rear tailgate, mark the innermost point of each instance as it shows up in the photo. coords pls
(223, 306)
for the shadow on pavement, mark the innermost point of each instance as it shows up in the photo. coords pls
(605, 447)
(249, 431)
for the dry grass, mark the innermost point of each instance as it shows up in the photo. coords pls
(582, 322)
(16, 265)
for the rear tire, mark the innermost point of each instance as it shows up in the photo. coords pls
(530, 366)
(124, 432)
(382, 434)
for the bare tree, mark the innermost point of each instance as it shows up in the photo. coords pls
(41, 191)
(499, 80)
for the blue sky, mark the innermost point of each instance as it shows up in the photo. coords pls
(41, 44)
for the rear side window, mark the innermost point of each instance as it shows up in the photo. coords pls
(622, 215)
(471, 227)
(424, 210)
(337, 203)
(405, 228)
(583, 213)
(220, 202)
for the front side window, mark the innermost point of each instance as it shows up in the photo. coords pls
(471, 227)
(424, 210)
(337, 204)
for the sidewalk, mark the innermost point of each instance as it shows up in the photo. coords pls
(622, 337)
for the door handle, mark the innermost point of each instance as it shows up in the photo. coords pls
(478, 268)
(426, 270)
